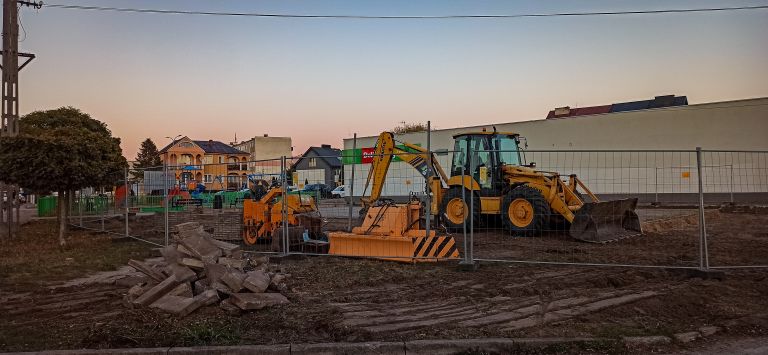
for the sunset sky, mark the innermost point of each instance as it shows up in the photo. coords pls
(320, 80)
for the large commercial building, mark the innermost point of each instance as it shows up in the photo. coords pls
(601, 145)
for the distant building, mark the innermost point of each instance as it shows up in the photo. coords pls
(265, 153)
(657, 102)
(217, 165)
(319, 165)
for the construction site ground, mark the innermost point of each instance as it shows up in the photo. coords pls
(53, 298)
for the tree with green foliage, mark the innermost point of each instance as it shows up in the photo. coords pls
(406, 127)
(61, 150)
(147, 157)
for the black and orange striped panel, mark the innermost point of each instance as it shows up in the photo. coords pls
(435, 247)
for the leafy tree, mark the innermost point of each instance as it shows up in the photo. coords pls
(406, 127)
(147, 157)
(61, 150)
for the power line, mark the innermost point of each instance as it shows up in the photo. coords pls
(376, 17)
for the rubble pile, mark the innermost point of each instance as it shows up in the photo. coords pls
(198, 270)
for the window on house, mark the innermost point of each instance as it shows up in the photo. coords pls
(186, 145)
(208, 159)
(312, 162)
(208, 178)
(221, 159)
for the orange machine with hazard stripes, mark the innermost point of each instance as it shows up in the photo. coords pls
(393, 231)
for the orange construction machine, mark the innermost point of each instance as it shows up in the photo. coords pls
(263, 214)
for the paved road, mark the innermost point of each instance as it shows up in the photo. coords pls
(748, 346)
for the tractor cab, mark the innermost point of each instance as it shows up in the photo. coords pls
(482, 155)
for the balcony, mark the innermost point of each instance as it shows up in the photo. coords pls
(237, 167)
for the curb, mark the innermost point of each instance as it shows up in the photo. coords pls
(501, 345)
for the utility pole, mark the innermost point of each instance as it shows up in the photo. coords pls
(9, 122)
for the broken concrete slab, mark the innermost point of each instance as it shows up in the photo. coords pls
(259, 260)
(228, 249)
(192, 263)
(170, 254)
(201, 248)
(173, 304)
(181, 273)
(256, 281)
(208, 297)
(220, 287)
(230, 308)
(277, 283)
(147, 270)
(200, 286)
(251, 301)
(184, 251)
(183, 306)
(234, 279)
(188, 227)
(709, 330)
(130, 281)
(153, 294)
(239, 264)
(687, 337)
(183, 290)
(214, 272)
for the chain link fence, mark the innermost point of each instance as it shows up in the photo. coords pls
(650, 208)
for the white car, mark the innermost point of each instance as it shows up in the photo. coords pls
(339, 191)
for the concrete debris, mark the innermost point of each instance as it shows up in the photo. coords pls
(192, 263)
(183, 290)
(252, 301)
(181, 272)
(198, 271)
(257, 281)
(234, 279)
(239, 264)
(709, 330)
(156, 292)
(146, 270)
(230, 308)
(687, 337)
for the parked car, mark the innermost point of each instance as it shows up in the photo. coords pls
(339, 192)
(318, 190)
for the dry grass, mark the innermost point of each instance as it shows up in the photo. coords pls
(34, 258)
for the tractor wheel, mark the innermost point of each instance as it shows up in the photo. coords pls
(250, 235)
(454, 211)
(525, 212)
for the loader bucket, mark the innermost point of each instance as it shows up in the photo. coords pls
(600, 222)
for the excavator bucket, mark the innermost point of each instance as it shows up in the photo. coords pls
(600, 222)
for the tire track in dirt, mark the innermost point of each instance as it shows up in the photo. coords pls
(551, 296)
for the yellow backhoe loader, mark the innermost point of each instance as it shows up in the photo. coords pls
(489, 166)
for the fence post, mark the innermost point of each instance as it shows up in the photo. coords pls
(284, 210)
(464, 225)
(656, 183)
(165, 204)
(80, 207)
(104, 205)
(731, 181)
(469, 259)
(351, 183)
(428, 180)
(127, 196)
(703, 252)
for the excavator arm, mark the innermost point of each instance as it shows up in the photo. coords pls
(415, 156)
